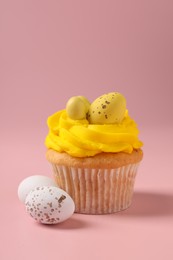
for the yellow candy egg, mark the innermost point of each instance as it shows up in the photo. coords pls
(107, 109)
(77, 107)
(86, 102)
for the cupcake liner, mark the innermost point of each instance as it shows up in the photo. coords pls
(97, 191)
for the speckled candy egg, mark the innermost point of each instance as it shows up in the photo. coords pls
(32, 182)
(107, 109)
(49, 205)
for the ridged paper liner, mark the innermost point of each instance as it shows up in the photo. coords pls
(97, 191)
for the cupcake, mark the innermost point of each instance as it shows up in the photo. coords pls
(95, 153)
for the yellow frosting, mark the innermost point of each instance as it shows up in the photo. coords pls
(81, 139)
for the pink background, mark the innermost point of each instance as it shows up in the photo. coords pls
(51, 50)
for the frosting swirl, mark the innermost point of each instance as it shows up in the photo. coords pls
(79, 138)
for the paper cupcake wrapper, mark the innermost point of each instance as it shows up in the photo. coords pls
(97, 191)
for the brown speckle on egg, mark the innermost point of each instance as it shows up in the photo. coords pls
(63, 197)
(46, 215)
(49, 204)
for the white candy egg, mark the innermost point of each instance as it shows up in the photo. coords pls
(32, 182)
(49, 205)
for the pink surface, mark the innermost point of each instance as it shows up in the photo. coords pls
(51, 50)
